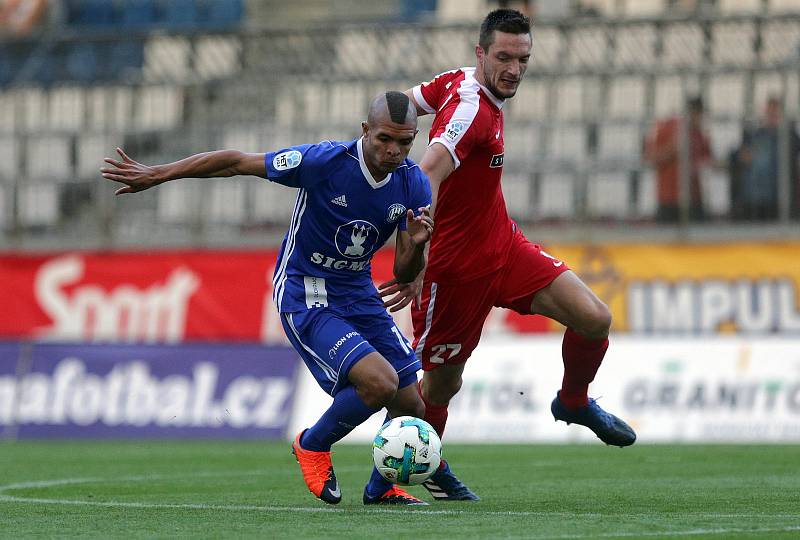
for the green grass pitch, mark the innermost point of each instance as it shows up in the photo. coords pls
(144, 489)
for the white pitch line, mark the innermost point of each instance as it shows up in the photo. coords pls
(4, 497)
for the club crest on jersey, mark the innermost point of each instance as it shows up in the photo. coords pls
(287, 160)
(356, 239)
(454, 129)
(497, 160)
(394, 212)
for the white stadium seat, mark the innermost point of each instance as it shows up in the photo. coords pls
(555, 196)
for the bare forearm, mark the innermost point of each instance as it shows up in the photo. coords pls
(219, 163)
(409, 262)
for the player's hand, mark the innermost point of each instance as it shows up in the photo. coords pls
(419, 227)
(136, 176)
(403, 293)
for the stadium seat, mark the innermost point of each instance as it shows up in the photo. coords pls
(180, 14)
(726, 95)
(567, 143)
(522, 144)
(669, 95)
(37, 204)
(91, 13)
(126, 59)
(222, 14)
(733, 43)
(635, 46)
(588, 47)
(9, 158)
(48, 157)
(570, 94)
(33, 104)
(647, 200)
(683, 45)
(779, 41)
(736, 7)
(619, 141)
(82, 62)
(608, 195)
(226, 201)
(555, 195)
(158, 107)
(626, 97)
(137, 14)
(644, 8)
(271, 203)
(167, 58)
(66, 108)
(549, 44)
(174, 202)
(90, 149)
(217, 57)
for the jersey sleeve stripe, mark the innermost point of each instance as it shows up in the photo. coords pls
(418, 97)
(462, 118)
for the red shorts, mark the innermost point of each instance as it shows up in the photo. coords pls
(447, 326)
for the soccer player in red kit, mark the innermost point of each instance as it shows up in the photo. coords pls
(478, 256)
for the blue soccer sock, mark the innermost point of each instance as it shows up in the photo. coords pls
(345, 413)
(378, 485)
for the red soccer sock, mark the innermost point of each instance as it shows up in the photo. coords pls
(582, 359)
(435, 415)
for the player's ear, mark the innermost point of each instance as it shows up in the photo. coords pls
(479, 53)
(364, 129)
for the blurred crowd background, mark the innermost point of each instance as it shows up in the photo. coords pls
(656, 120)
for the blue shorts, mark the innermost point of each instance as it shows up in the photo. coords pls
(331, 340)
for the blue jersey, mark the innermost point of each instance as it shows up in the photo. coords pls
(341, 217)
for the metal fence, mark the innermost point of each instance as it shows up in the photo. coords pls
(575, 132)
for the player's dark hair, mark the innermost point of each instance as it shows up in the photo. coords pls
(509, 21)
(397, 102)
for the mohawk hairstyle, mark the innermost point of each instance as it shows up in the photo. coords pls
(509, 21)
(397, 102)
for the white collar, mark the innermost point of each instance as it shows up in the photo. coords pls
(494, 99)
(365, 169)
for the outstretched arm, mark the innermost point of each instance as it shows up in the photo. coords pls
(219, 163)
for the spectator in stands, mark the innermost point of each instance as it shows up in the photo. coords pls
(20, 17)
(755, 166)
(663, 151)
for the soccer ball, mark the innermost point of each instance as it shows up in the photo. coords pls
(407, 450)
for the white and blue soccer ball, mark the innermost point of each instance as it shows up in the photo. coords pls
(407, 450)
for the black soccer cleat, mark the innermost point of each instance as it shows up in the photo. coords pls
(608, 428)
(444, 486)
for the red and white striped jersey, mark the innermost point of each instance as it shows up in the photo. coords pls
(473, 231)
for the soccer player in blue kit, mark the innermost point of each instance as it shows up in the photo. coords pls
(352, 197)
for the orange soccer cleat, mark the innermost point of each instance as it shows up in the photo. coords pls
(317, 472)
(394, 495)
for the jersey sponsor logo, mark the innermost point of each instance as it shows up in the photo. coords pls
(341, 200)
(394, 212)
(287, 160)
(453, 130)
(356, 239)
(497, 160)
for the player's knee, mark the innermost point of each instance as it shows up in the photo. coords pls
(417, 409)
(379, 390)
(597, 322)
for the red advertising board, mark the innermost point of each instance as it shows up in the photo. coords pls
(155, 297)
